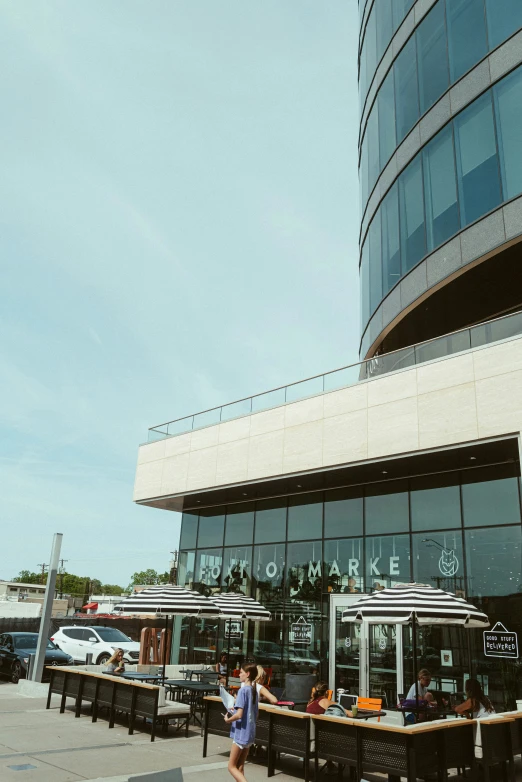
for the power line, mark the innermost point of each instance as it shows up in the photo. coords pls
(44, 568)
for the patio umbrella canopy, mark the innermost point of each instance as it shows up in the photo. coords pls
(168, 600)
(416, 603)
(405, 603)
(235, 605)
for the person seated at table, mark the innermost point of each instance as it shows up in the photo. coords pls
(422, 688)
(115, 663)
(221, 667)
(262, 691)
(477, 703)
(319, 701)
(352, 586)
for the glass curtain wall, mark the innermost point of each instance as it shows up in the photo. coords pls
(452, 38)
(468, 169)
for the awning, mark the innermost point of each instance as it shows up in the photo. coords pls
(90, 605)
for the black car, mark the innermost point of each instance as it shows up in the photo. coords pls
(15, 650)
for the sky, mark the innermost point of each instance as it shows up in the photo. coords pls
(178, 229)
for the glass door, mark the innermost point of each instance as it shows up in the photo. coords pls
(364, 659)
(383, 662)
(347, 645)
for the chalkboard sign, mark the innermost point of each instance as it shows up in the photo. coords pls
(499, 642)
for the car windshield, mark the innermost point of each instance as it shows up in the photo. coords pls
(29, 642)
(111, 634)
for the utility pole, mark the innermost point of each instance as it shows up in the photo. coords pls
(61, 576)
(44, 568)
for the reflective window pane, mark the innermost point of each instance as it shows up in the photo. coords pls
(504, 17)
(343, 513)
(372, 132)
(440, 188)
(391, 250)
(211, 527)
(343, 563)
(370, 46)
(305, 517)
(508, 108)
(413, 235)
(374, 235)
(384, 27)
(239, 527)
(406, 91)
(438, 560)
(237, 569)
(207, 578)
(399, 10)
(467, 38)
(387, 561)
(494, 561)
(386, 104)
(365, 284)
(268, 579)
(386, 508)
(270, 521)
(186, 567)
(189, 530)
(490, 496)
(435, 502)
(477, 160)
(363, 170)
(304, 567)
(432, 55)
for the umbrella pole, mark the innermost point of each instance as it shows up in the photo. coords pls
(165, 644)
(228, 648)
(414, 656)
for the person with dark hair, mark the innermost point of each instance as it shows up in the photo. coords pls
(243, 727)
(319, 701)
(221, 667)
(477, 703)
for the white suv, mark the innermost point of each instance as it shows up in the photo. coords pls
(100, 641)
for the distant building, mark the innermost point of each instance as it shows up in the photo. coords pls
(17, 590)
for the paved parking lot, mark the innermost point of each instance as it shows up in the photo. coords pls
(45, 746)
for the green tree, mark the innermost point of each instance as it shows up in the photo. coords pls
(111, 589)
(149, 577)
(28, 577)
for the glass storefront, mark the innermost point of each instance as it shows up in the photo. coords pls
(459, 531)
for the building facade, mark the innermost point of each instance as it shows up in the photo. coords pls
(405, 466)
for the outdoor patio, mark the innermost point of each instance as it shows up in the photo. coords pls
(45, 746)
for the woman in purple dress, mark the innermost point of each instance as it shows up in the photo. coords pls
(243, 722)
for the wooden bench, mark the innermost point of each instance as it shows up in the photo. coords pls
(496, 737)
(411, 752)
(133, 698)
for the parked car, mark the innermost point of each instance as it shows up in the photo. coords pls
(15, 650)
(100, 641)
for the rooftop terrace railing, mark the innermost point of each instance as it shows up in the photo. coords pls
(483, 334)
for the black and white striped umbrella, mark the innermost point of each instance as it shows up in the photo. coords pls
(168, 600)
(405, 603)
(234, 605)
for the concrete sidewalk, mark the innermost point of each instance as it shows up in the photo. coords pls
(45, 746)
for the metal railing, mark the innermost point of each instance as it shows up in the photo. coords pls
(466, 339)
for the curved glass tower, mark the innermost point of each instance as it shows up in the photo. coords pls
(440, 151)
